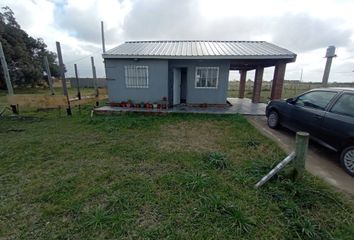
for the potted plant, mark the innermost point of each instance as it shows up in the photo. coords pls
(148, 105)
(129, 103)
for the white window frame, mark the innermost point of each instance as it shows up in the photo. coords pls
(135, 78)
(207, 68)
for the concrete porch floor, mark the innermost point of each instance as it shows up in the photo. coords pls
(241, 106)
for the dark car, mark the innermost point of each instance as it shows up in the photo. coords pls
(327, 114)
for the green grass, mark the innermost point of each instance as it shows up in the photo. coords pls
(153, 177)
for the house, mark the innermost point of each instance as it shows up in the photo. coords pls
(191, 72)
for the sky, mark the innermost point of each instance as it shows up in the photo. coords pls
(306, 27)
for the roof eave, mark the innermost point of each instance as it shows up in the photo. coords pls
(114, 56)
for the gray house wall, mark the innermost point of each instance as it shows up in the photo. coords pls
(200, 95)
(158, 80)
(161, 81)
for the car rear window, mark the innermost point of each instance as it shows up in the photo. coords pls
(344, 105)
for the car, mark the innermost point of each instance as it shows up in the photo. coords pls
(327, 114)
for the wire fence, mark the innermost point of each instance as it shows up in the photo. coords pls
(290, 88)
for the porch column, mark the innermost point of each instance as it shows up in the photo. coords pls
(243, 74)
(278, 80)
(257, 86)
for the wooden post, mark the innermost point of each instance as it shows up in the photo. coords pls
(94, 78)
(10, 90)
(6, 71)
(257, 87)
(47, 69)
(302, 142)
(77, 82)
(63, 80)
(241, 91)
(278, 80)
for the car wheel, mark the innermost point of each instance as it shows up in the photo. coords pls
(347, 160)
(273, 119)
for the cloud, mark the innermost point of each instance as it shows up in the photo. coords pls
(300, 26)
(185, 19)
(82, 19)
(304, 33)
(158, 19)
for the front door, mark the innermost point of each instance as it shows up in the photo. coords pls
(176, 86)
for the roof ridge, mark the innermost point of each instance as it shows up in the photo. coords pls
(161, 41)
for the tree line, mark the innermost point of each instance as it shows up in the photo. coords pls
(24, 54)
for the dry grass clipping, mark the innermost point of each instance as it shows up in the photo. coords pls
(199, 136)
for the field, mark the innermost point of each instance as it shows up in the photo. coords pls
(45, 91)
(153, 177)
(291, 89)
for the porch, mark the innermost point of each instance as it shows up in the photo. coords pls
(242, 106)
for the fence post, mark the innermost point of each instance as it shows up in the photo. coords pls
(7, 78)
(94, 79)
(77, 82)
(301, 142)
(62, 75)
(49, 75)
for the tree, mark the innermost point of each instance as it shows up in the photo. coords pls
(24, 54)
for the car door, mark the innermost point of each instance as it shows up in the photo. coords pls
(308, 111)
(338, 124)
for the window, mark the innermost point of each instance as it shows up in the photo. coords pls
(315, 99)
(206, 77)
(136, 76)
(344, 105)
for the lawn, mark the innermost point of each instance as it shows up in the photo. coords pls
(150, 177)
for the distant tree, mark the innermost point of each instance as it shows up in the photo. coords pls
(24, 54)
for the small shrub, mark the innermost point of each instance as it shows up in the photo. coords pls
(217, 160)
(195, 181)
(252, 143)
(242, 223)
(235, 217)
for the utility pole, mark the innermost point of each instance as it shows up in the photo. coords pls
(77, 82)
(330, 54)
(103, 41)
(94, 78)
(10, 90)
(62, 75)
(49, 75)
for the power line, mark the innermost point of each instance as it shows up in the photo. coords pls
(81, 58)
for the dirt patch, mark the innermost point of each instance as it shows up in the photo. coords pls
(190, 136)
(148, 217)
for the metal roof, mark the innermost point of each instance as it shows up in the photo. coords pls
(199, 49)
